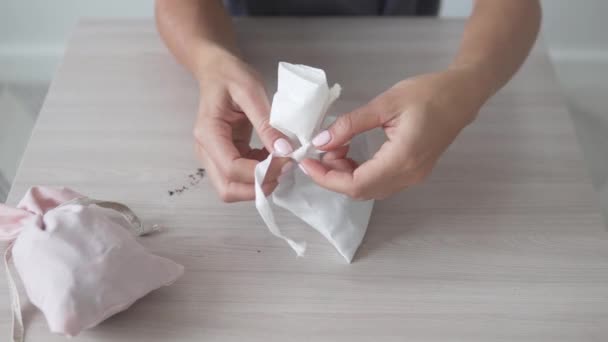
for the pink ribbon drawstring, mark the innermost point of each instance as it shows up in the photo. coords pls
(36, 202)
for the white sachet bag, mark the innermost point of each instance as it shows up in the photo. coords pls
(298, 110)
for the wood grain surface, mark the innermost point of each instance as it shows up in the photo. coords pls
(504, 242)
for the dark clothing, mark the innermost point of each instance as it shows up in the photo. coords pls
(332, 7)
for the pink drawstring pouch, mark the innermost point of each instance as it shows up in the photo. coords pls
(78, 259)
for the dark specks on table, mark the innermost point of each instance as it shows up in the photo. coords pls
(192, 180)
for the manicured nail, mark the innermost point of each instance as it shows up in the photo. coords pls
(303, 169)
(282, 147)
(321, 138)
(288, 166)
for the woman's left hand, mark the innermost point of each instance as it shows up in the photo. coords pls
(420, 116)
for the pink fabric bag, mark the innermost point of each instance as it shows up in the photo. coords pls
(78, 258)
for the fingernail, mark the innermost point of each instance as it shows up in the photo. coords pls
(303, 169)
(321, 138)
(288, 166)
(282, 147)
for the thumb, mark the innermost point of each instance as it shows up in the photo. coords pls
(347, 126)
(254, 103)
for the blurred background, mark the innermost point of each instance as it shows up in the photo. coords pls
(33, 34)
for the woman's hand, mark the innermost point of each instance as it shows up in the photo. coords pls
(233, 102)
(420, 116)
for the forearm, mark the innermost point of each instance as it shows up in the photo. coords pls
(496, 41)
(195, 31)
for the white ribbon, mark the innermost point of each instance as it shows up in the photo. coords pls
(263, 204)
(17, 333)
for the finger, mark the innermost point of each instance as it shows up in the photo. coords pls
(218, 182)
(364, 182)
(331, 179)
(346, 164)
(347, 126)
(230, 191)
(215, 137)
(338, 153)
(278, 166)
(237, 192)
(258, 154)
(340, 179)
(252, 100)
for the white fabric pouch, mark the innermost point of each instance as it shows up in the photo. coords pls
(78, 258)
(299, 110)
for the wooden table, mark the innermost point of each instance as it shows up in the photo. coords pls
(503, 243)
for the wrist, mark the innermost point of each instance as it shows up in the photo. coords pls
(209, 57)
(478, 77)
(471, 87)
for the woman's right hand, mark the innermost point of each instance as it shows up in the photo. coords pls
(233, 102)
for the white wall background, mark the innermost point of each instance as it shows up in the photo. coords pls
(33, 32)
(572, 29)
